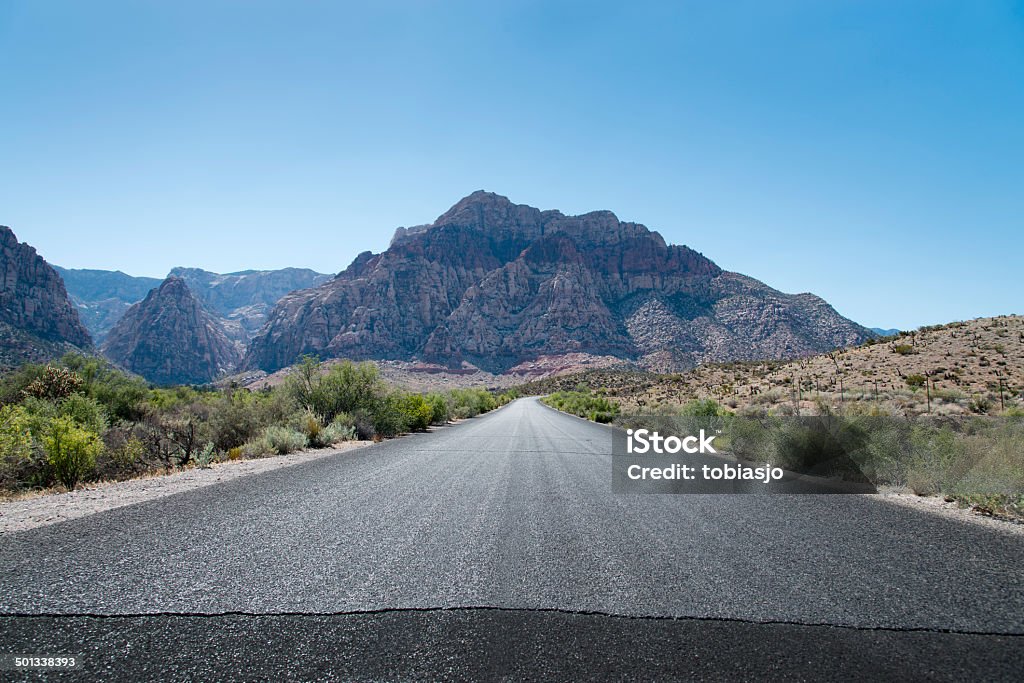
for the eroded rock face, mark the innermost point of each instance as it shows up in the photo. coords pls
(245, 298)
(33, 299)
(496, 284)
(170, 338)
(103, 296)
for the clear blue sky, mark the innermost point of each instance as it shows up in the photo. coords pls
(870, 152)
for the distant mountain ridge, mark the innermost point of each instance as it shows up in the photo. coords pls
(495, 284)
(103, 296)
(245, 297)
(242, 299)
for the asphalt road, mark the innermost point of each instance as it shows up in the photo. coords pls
(496, 548)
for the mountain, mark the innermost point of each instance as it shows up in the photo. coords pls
(882, 332)
(244, 298)
(241, 299)
(103, 296)
(495, 284)
(170, 338)
(37, 319)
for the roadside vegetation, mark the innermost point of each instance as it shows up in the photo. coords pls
(936, 411)
(583, 404)
(80, 419)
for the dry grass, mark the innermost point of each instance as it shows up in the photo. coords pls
(952, 369)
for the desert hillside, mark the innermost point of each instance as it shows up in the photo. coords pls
(973, 366)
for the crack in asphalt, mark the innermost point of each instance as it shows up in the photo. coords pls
(524, 610)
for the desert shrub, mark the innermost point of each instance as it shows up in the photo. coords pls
(122, 396)
(903, 349)
(362, 420)
(188, 429)
(345, 387)
(416, 411)
(282, 440)
(343, 428)
(234, 419)
(935, 461)
(390, 418)
(463, 412)
(258, 446)
(123, 455)
(471, 402)
(915, 381)
(54, 384)
(703, 408)
(235, 453)
(175, 435)
(439, 408)
(980, 405)
(87, 412)
(824, 445)
(584, 404)
(71, 450)
(15, 445)
(206, 455)
(309, 425)
(13, 384)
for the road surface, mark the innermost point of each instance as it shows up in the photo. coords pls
(495, 548)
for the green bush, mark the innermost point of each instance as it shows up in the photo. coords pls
(390, 418)
(704, 408)
(416, 411)
(276, 440)
(471, 402)
(915, 381)
(15, 444)
(122, 396)
(206, 455)
(236, 418)
(71, 450)
(283, 440)
(85, 411)
(584, 404)
(54, 384)
(310, 426)
(343, 388)
(439, 409)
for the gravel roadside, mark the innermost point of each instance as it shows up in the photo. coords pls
(41, 510)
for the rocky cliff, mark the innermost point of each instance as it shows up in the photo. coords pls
(170, 338)
(103, 296)
(244, 298)
(36, 315)
(496, 283)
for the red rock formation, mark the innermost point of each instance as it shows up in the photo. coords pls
(496, 283)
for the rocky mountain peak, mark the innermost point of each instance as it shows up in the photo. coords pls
(170, 338)
(495, 284)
